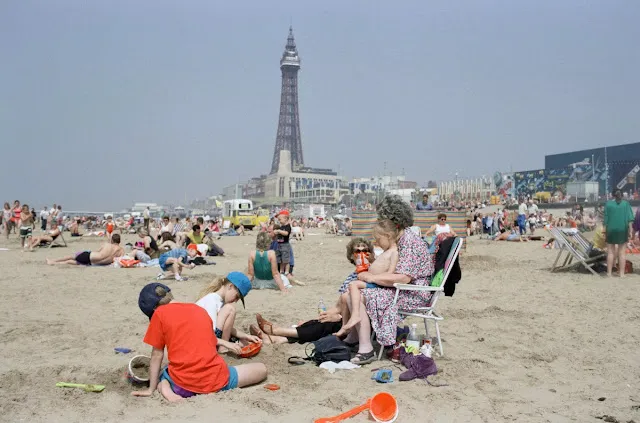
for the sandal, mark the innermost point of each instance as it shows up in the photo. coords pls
(256, 331)
(296, 361)
(364, 358)
(263, 324)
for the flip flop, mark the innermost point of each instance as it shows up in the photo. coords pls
(296, 361)
(258, 332)
(263, 323)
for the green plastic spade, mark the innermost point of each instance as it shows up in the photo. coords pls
(88, 388)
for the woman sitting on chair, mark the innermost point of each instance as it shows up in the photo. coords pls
(51, 236)
(415, 266)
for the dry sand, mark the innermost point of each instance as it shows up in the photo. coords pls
(521, 344)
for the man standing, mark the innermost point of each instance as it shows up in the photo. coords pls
(425, 204)
(618, 218)
(44, 216)
(146, 215)
(522, 217)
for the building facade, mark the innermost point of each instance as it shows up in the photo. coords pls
(306, 185)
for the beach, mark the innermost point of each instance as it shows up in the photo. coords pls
(521, 344)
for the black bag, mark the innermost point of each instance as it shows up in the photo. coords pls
(329, 348)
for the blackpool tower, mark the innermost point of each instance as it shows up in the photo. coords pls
(288, 137)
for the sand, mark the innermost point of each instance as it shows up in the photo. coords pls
(521, 344)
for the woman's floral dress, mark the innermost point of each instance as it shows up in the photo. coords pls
(415, 261)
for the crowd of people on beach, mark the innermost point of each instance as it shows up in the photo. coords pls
(195, 334)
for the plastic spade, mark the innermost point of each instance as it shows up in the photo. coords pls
(383, 408)
(88, 388)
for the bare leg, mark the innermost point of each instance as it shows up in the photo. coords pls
(364, 333)
(250, 374)
(354, 294)
(165, 390)
(226, 319)
(271, 329)
(267, 339)
(611, 253)
(622, 259)
(63, 260)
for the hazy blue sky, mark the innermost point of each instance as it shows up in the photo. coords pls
(109, 102)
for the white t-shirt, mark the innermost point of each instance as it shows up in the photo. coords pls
(145, 214)
(533, 209)
(443, 229)
(44, 214)
(212, 303)
(522, 209)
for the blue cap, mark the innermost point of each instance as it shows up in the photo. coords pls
(242, 282)
(150, 296)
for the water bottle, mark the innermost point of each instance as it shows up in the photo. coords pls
(321, 306)
(412, 339)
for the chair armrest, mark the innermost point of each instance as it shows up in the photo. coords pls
(411, 287)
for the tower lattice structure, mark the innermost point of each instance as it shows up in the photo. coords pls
(288, 136)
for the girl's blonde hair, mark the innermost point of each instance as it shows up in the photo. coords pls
(216, 284)
(386, 228)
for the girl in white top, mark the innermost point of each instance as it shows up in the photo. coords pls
(442, 227)
(219, 300)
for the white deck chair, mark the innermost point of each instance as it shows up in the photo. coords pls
(573, 246)
(427, 312)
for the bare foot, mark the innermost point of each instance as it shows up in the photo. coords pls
(255, 330)
(50, 262)
(167, 392)
(346, 328)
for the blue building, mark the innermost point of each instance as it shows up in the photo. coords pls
(621, 160)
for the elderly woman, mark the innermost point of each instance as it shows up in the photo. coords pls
(263, 266)
(415, 266)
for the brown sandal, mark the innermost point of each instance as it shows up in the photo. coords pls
(263, 324)
(256, 331)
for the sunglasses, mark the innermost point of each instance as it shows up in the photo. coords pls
(444, 219)
(362, 250)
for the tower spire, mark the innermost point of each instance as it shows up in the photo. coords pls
(288, 136)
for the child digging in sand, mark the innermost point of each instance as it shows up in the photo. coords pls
(186, 330)
(173, 261)
(219, 300)
(385, 234)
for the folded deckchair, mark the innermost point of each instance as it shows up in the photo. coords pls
(427, 312)
(574, 247)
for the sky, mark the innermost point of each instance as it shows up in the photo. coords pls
(106, 103)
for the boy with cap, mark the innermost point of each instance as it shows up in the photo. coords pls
(195, 367)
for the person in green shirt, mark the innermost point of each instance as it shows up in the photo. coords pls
(618, 218)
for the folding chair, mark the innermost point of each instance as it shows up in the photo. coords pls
(573, 246)
(427, 312)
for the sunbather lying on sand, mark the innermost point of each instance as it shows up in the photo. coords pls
(104, 256)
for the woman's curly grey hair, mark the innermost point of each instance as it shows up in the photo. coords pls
(394, 208)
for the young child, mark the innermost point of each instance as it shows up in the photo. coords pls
(186, 331)
(283, 253)
(219, 300)
(26, 226)
(109, 227)
(385, 234)
(173, 261)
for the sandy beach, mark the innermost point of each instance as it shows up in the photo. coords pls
(521, 344)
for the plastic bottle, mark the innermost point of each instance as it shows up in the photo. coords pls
(412, 339)
(321, 306)
(362, 262)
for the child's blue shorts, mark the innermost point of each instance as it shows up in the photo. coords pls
(231, 384)
(372, 285)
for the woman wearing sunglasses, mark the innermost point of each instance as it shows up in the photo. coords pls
(442, 227)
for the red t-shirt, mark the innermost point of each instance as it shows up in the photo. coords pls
(187, 332)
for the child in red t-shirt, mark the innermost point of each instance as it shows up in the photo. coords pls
(195, 367)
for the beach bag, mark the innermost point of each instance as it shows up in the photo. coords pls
(329, 348)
